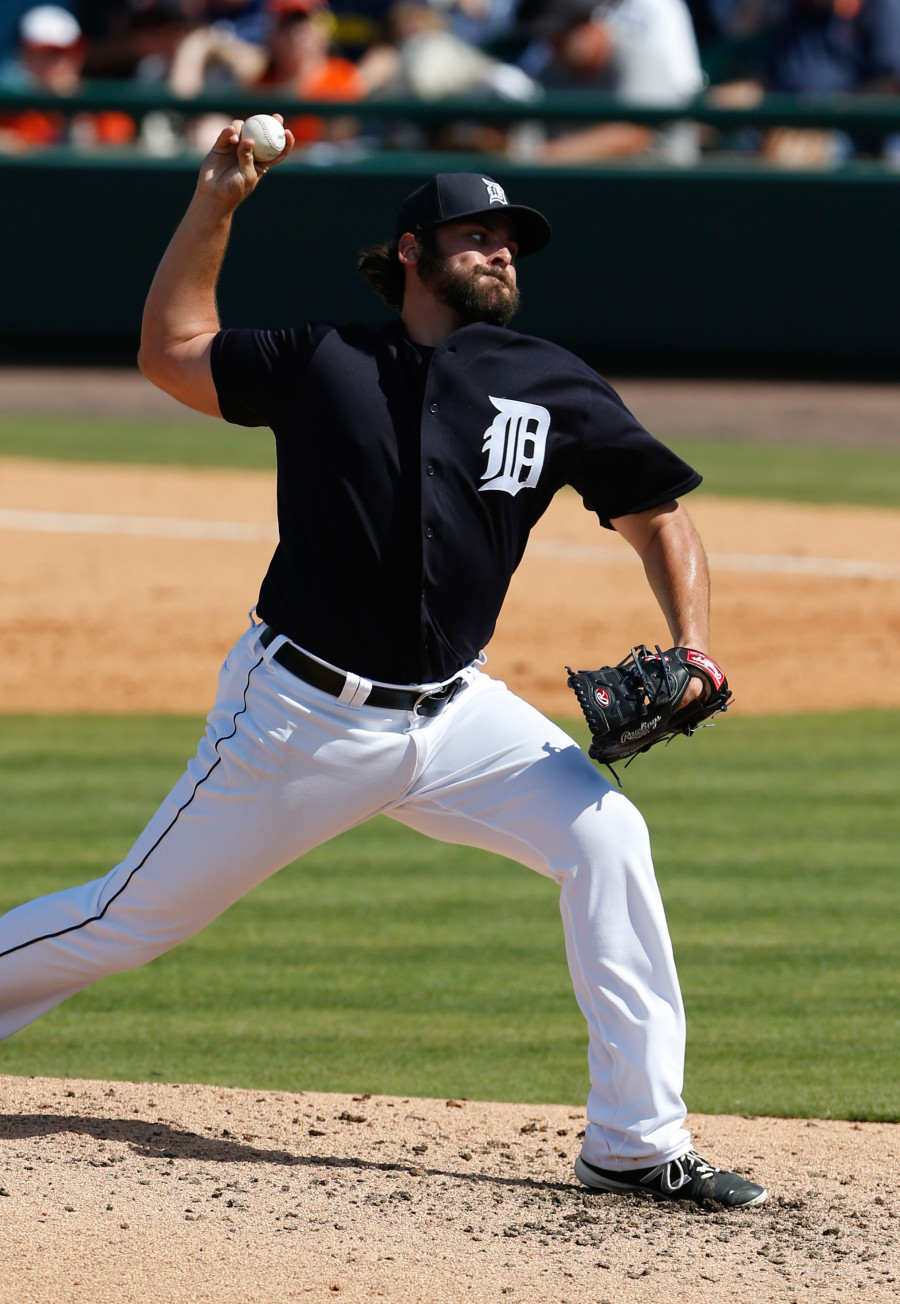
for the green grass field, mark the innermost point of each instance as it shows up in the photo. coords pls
(798, 472)
(387, 963)
(199, 442)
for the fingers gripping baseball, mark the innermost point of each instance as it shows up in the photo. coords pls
(230, 171)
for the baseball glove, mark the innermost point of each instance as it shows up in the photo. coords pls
(634, 705)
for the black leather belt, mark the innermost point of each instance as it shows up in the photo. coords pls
(333, 682)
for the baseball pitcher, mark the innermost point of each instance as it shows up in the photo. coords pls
(413, 461)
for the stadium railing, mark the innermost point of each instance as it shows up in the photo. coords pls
(872, 116)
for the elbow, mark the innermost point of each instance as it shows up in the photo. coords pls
(152, 365)
(146, 365)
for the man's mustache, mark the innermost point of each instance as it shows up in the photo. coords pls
(497, 274)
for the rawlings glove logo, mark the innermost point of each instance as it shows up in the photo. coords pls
(636, 704)
(632, 735)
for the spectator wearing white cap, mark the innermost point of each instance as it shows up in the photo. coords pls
(51, 56)
(51, 48)
(643, 51)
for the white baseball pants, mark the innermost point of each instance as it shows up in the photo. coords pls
(283, 767)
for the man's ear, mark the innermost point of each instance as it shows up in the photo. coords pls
(408, 249)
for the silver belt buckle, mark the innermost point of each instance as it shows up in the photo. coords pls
(444, 695)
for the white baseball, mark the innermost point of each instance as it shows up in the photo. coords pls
(267, 135)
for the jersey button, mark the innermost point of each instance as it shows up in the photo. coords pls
(430, 469)
(429, 532)
(433, 408)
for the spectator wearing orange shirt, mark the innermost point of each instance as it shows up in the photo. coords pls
(301, 64)
(51, 56)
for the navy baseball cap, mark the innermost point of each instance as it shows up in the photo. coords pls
(451, 195)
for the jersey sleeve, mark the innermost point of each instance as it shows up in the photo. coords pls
(623, 469)
(256, 371)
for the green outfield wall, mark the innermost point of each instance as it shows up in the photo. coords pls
(718, 267)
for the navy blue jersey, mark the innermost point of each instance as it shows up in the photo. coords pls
(408, 484)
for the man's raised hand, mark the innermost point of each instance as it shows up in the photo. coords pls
(229, 172)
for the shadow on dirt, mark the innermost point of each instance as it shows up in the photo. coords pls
(160, 1141)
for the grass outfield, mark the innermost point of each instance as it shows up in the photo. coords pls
(137, 442)
(746, 469)
(388, 963)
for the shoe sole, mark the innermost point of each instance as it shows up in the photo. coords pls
(589, 1178)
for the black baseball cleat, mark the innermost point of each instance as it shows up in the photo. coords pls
(686, 1178)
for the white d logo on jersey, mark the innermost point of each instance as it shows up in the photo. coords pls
(515, 443)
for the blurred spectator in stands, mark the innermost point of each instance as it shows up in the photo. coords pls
(420, 58)
(139, 40)
(642, 51)
(213, 55)
(97, 16)
(48, 51)
(210, 56)
(358, 25)
(734, 20)
(248, 19)
(51, 58)
(297, 59)
(301, 63)
(837, 46)
(11, 12)
(186, 46)
(485, 23)
(825, 47)
(734, 35)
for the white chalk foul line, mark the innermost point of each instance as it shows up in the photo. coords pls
(166, 527)
(150, 527)
(760, 563)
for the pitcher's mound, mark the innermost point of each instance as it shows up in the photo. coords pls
(124, 1193)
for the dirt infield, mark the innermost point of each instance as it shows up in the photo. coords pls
(119, 1193)
(125, 621)
(122, 590)
(121, 598)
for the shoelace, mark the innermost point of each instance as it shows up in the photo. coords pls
(688, 1166)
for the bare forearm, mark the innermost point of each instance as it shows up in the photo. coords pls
(677, 571)
(676, 568)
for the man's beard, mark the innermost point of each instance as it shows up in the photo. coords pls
(472, 292)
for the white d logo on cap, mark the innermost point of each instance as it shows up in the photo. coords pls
(496, 193)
